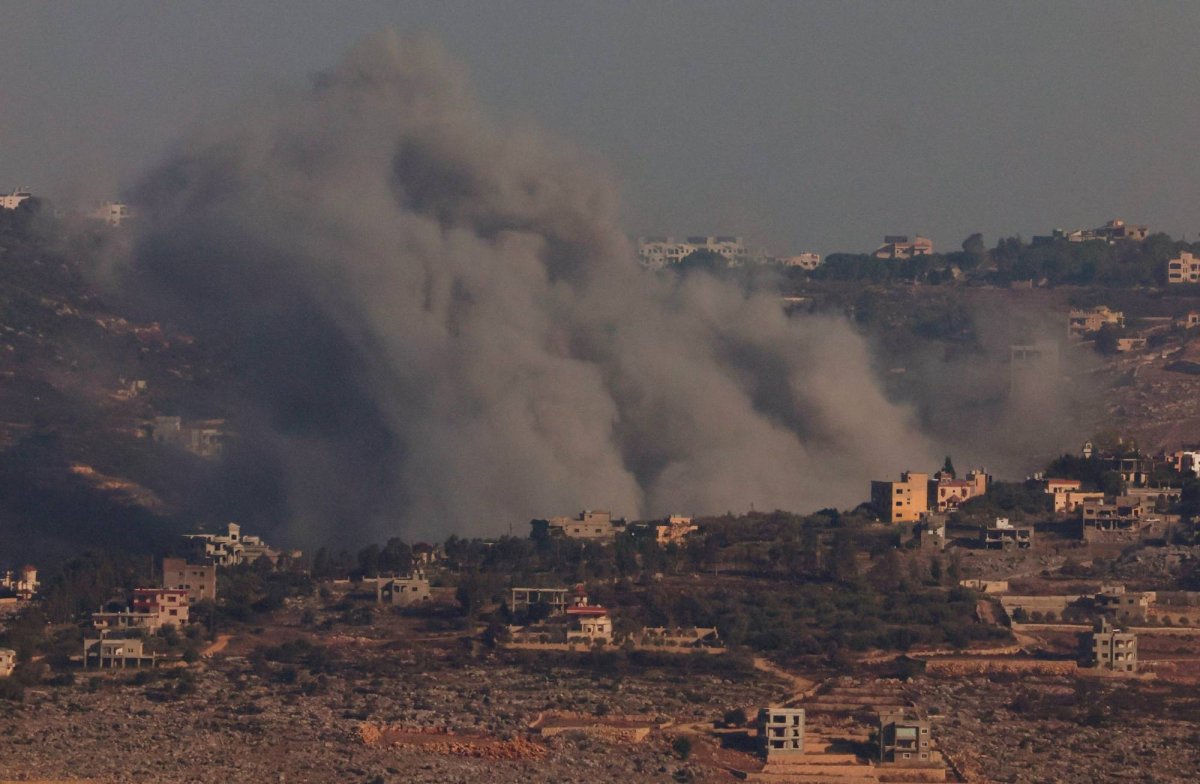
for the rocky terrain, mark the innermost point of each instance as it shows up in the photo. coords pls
(237, 721)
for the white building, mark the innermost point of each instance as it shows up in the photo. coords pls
(9, 201)
(806, 261)
(659, 252)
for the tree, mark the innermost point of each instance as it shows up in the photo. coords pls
(682, 746)
(948, 468)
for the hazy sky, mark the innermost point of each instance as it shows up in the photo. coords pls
(800, 125)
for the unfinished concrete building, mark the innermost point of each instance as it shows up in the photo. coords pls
(904, 738)
(524, 598)
(8, 662)
(780, 733)
(1003, 535)
(1112, 649)
(402, 591)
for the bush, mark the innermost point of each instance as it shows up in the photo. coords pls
(735, 718)
(682, 746)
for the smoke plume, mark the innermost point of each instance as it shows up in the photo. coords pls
(438, 326)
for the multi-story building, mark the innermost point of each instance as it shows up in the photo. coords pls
(402, 591)
(168, 606)
(1112, 649)
(899, 246)
(780, 733)
(947, 493)
(8, 662)
(904, 738)
(1003, 535)
(116, 653)
(904, 501)
(233, 547)
(591, 524)
(1125, 512)
(1081, 323)
(199, 580)
(24, 584)
(659, 252)
(1059, 489)
(524, 598)
(10, 201)
(1125, 606)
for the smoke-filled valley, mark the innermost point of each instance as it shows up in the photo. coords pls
(417, 322)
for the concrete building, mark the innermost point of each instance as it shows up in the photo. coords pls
(111, 212)
(595, 627)
(931, 532)
(1081, 323)
(427, 554)
(125, 620)
(199, 580)
(23, 584)
(10, 201)
(1125, 345)
(403, 591)
(947, 493)
(1112, 649)
(673, 530)
(1112, 232)
(1123, 513)
(116, 653)
(591, 524)
(1059, 489)
(8, 662)
(233, 547)
(660, 252)
(780, 733)
(1003, 535)
(898, 247)
(904, 737)
(805, 261)
(1124, 606)
(205, 439)
(168, 606)
(904, 501)
(523, 598)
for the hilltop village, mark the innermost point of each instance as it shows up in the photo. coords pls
(953, 627)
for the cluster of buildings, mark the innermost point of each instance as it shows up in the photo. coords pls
(1112, 232)
(121, 633)
(656, 253)
(898, 247)
(233, 548)
(904, 738)
(661, 252)
(598, 525)
(21, 585)
(113, 213)
(565, 616)
(1084, 322)
(917, 494)
(203, 439)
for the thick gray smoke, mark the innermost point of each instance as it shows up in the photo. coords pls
(439, 326)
